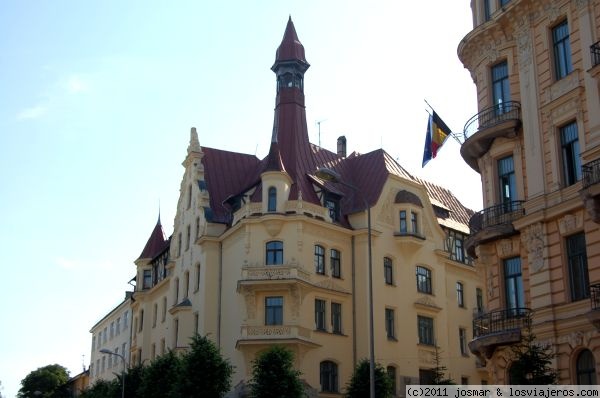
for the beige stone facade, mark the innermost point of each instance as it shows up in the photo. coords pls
(536, 144)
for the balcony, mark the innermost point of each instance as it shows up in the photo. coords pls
(500, 120)
(269, 334)
(594, 314)
(493, 223)
(498, 328)
(590, 192)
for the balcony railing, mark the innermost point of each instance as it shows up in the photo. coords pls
(501, 321)
(509, 110)
(595, 53)
(504, 213)
(591, 173)
(595, 296)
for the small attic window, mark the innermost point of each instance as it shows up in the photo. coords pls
(332, 202)
(202, 185)
(272, 199)
(441, 212)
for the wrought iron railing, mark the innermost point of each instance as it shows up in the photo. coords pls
(509, 110)
(501, 321)
(595, 296)
(504, 213)
(591, 173)
(595, 53)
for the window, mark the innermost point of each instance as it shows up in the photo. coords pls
(153, 351)
(176, 292)
(504, 2)
(414, 225)
(460, 294)
(500, 87)
(464, 380)
(390, 323)
(141, 321)
(479, 299)
(507, 180)
(388, 271)
(175, 332)
(456, 246)
(426, 376)
(319, 259)
(105, 335)
(391, 372)
(578, 268)
(163, 347)
(586, 368)
(336, 318)
(274, 252)
(118, 326)
(187, 237)
(124, 350)
(197, 287)
(196, 322)
(179, 244)
(186, 284)
(425, 330)
(103, 362)
(513, 283)
(487, 10)
(403, 225)
(274, 310)
(272, 199)
(329, 376)
(333, 204)
(154, 315)
(164, 309)
(335, 263)
(125, 319)
(569, 143)
(197, 227)
(189, 197)
(424, 280)
(112, 330)
(462, 337)
(147, 284)
(562, 50)
(320, 314)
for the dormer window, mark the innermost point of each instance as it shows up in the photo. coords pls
(332, 202)
(272, 199)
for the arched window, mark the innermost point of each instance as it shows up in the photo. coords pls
(274, 252)
(424, 280)
(329, 376)
(272, 200)
(586, 368)
(319, 259)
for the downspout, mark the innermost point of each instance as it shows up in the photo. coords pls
(220, 294)
(353, 303)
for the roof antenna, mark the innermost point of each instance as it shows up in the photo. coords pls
(83, 361)
(158, 222)
(319, 124)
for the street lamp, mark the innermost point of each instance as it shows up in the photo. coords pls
(109, 352)
(332, 176)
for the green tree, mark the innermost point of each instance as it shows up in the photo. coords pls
(274, 376)
(359, 384)
(133, 380)
(439, 371)
(158, 378)
(49, 380)
(204, 372)
(103, 389)
(532, 362)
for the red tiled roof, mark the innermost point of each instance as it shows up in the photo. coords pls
(156, 242)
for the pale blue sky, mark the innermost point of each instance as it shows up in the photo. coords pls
(96, 103)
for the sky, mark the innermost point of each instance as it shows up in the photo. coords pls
(97, 100)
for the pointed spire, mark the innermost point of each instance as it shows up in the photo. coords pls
(274, 162)
(290, 47)
(156, 242)
(194, 142)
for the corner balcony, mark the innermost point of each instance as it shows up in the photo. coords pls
(594, 314)
(493, 223)
(270, 334)
(498, 328)
(500, 120)
(590, 192)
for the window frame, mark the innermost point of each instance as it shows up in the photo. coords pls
(460, 294)
(570, 153)
(273, 310)
(576, 255)
(500, 83)
(561, 50)
(390, 323)
(426, 331)
(424, 280)
(328, 376)
(335, 259)
(462, 339)
(589, 373)
(319, 259)
(513, 280)
(274, 252)
(336, 318)
(388, 271)
(320, 315)
(272, 200)
(403, 222)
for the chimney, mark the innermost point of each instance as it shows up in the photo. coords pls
(341, 146)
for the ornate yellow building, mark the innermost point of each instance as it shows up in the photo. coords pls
(536, 144)
(266, 252)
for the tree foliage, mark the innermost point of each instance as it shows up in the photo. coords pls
(359, 385)
(204, 372)
(532, 362)
(49, 380)
(274, 376)
(158, 378)
(103, 389)
(439, 371)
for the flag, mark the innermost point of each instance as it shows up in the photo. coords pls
(437, 132)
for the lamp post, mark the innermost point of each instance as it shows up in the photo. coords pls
(332, 176)
(109, 352)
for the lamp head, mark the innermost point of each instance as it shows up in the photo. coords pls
(327, 174)
(106, 351)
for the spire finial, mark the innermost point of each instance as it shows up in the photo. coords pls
(194, 142)
(158, 222)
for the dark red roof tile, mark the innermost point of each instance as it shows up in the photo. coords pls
(290, 47)
(156, 242)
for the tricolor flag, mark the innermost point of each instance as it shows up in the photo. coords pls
(437, 132)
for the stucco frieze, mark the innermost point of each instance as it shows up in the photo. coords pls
(428, 302)
(533, 238)
(570, 224)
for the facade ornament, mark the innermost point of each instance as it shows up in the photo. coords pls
(533, 239)
(570, 223)
(250, 299)
(552, 11)
(505, 248)
(387, 209)
(582, 3)
(194, 145)
(296, 301)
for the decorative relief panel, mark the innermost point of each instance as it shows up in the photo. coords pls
(570, 224)
(426, 357)
(552, 11)
(250, 299)
(386, 215)
(564, 111)
(507, 248)
(534, 240)
(582, 3)
(562, 86)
